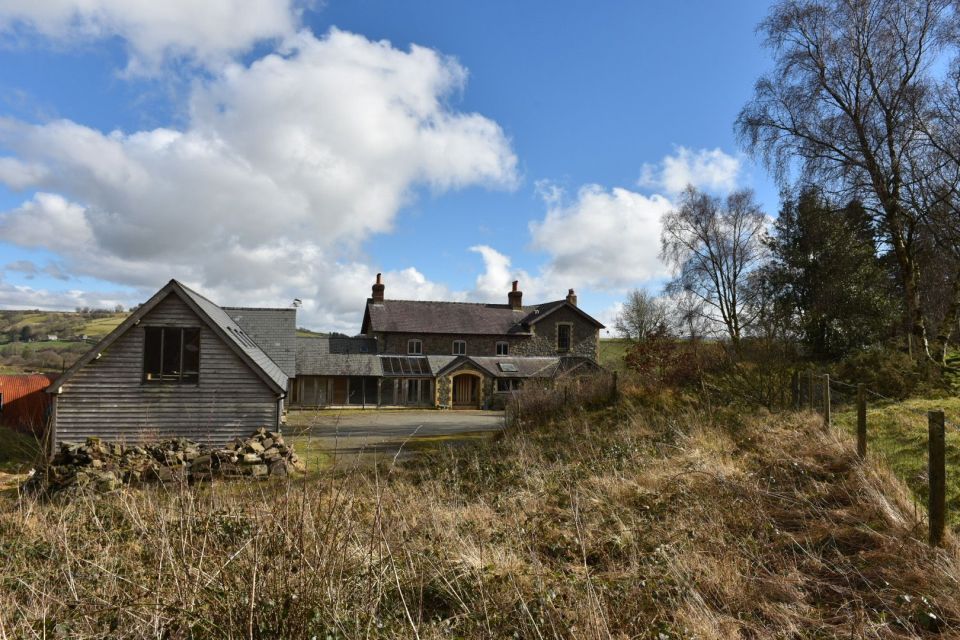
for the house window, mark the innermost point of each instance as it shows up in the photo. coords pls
(505, 385)
(503, 348)
(564, 335)
(414, 347)
(459, 347)
(171, 355)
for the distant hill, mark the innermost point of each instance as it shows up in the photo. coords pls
(25, 344)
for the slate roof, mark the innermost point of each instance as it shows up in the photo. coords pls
(274, 331)
(336, 344)
(464, 318)
(335, 356)
(527, 366)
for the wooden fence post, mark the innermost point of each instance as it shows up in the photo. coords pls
(827, 418)
(936, 472)
(616, 390)
(795, 389)
(810, 389)
(861, 422)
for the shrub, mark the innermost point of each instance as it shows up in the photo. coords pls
(884, 370)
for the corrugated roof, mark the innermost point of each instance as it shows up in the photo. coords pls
(238, 336)
(274, 331)
(15, 387)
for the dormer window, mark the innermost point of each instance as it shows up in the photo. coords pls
(503, 348)
(414, 347)
(459, 347)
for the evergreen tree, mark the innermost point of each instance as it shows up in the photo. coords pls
(825, 277)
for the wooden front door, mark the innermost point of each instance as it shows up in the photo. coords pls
(465, 391)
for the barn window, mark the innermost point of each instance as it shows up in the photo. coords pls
(171, 355)
(459, 347)
(503, 348)
(414, 347)
(564, 333)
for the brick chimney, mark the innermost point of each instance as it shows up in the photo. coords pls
(378, 289)
(515, 297)
(572, 297)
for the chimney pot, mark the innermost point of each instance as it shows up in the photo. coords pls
(572, 297)
(515, 297)
(378, 290)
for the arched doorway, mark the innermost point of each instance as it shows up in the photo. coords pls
(466, 391)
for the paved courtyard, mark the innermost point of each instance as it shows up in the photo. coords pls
(349, 435)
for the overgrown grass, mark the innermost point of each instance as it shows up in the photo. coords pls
(898, 433)
(18, 451)
(620, 522)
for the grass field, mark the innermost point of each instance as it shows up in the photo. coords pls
(99, 327)
(18, 451)
(611, 352)
(898, 433)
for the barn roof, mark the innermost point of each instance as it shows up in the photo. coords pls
(216, 318)
(274, 331)
(337, 356)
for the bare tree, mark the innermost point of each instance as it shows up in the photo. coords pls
(712, 245)
(850, 77)
(642, 315)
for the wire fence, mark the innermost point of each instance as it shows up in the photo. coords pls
(821, 392)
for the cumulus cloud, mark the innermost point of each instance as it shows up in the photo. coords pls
(606, 239)
(207, 32)
(285, 167)
(710, 169)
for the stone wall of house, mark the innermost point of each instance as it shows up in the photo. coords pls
(441, 344)
(444, 391)
(584, 340)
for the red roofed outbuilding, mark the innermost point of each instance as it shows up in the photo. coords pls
(23, 404)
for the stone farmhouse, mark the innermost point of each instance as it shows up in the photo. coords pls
(182, 366)
(445, 354)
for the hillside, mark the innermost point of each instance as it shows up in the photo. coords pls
(625, 522)
(24, 344)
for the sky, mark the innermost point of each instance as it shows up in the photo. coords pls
(265, 150)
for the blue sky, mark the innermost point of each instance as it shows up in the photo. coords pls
(288, 150)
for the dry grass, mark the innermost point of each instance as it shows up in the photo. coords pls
(613, 523)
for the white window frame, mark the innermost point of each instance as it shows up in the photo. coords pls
(512, 384)
(506, 348)
(415, 342)
(462, 352)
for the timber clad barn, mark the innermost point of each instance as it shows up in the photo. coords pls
(182, 366)
(179, 366)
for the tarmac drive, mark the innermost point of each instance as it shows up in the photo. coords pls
(378, 433)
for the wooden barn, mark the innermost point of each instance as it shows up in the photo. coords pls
(23, 404)
(179, 366)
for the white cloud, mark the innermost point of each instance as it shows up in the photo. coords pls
(19, 175)
(605, 239)
(285, 167)
(709, 169)
(207, 31)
